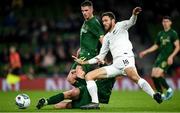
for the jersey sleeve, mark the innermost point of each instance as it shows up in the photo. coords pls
(96, 28)
(126, 24)
(157, 39)
(103, 51)
(175, 36)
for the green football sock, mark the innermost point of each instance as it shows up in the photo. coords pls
(157, 84)
(164, 83)
(55, 99)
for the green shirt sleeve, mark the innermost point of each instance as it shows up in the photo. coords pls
(96, 28)
(157, 39)
(175, 36)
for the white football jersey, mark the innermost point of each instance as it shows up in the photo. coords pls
(117, 41)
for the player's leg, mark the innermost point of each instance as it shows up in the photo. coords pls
(103, 72)
(92, 87)
(143, 84)
(63, 105)
(155, 77)
(71, 94)
(159, 77)
(130, 70)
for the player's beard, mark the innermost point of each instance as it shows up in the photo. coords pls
(109, 28)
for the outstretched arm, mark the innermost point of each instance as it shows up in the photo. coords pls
(99, 58)
(149, 50)
(132, 20)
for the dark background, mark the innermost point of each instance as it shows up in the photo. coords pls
(44, 30)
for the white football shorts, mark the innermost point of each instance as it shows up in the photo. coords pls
(119, 65)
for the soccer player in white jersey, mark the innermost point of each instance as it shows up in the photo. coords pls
(117, 41)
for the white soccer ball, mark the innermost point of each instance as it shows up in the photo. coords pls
(22, 101)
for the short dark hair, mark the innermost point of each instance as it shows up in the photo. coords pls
(86, 3)
(167, 17)
(109, 14)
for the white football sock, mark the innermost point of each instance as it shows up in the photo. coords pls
(46, 102)
(144, 85)
(169, 90)
(92, 88)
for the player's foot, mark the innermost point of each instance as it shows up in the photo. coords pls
(157, 96)
(169, 94)
(91, 106)
(41, 103)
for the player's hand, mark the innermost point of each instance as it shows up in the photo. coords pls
(79, 60)
(170, 60)
(142, 54)
(137, 10)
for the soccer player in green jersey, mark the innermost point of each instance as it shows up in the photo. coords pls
(167, 42)
(79, 96)
(90, 34)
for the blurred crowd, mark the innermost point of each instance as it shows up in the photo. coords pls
(46, 33)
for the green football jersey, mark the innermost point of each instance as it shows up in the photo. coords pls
(90, 33)
(165, 40)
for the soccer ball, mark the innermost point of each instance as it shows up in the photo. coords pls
(22, 101)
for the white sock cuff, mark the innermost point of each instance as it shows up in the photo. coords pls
(90, 83)
(169, 90)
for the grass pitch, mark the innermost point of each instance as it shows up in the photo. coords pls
(121, 101)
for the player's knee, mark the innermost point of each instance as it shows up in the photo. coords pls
(135, 77)
(68, 94)
(72, 93)
(88, 77)
(155, 74)
(75, 92)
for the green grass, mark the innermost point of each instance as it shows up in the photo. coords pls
(121, 101)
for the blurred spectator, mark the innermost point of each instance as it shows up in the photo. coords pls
(39, 25)
(13, 76)
(60, 50)
(15, 61)
(10, 20)
(49, 59)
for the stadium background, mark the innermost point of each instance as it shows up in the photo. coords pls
(46, 34)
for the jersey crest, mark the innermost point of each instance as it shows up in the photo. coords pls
(84, 29)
